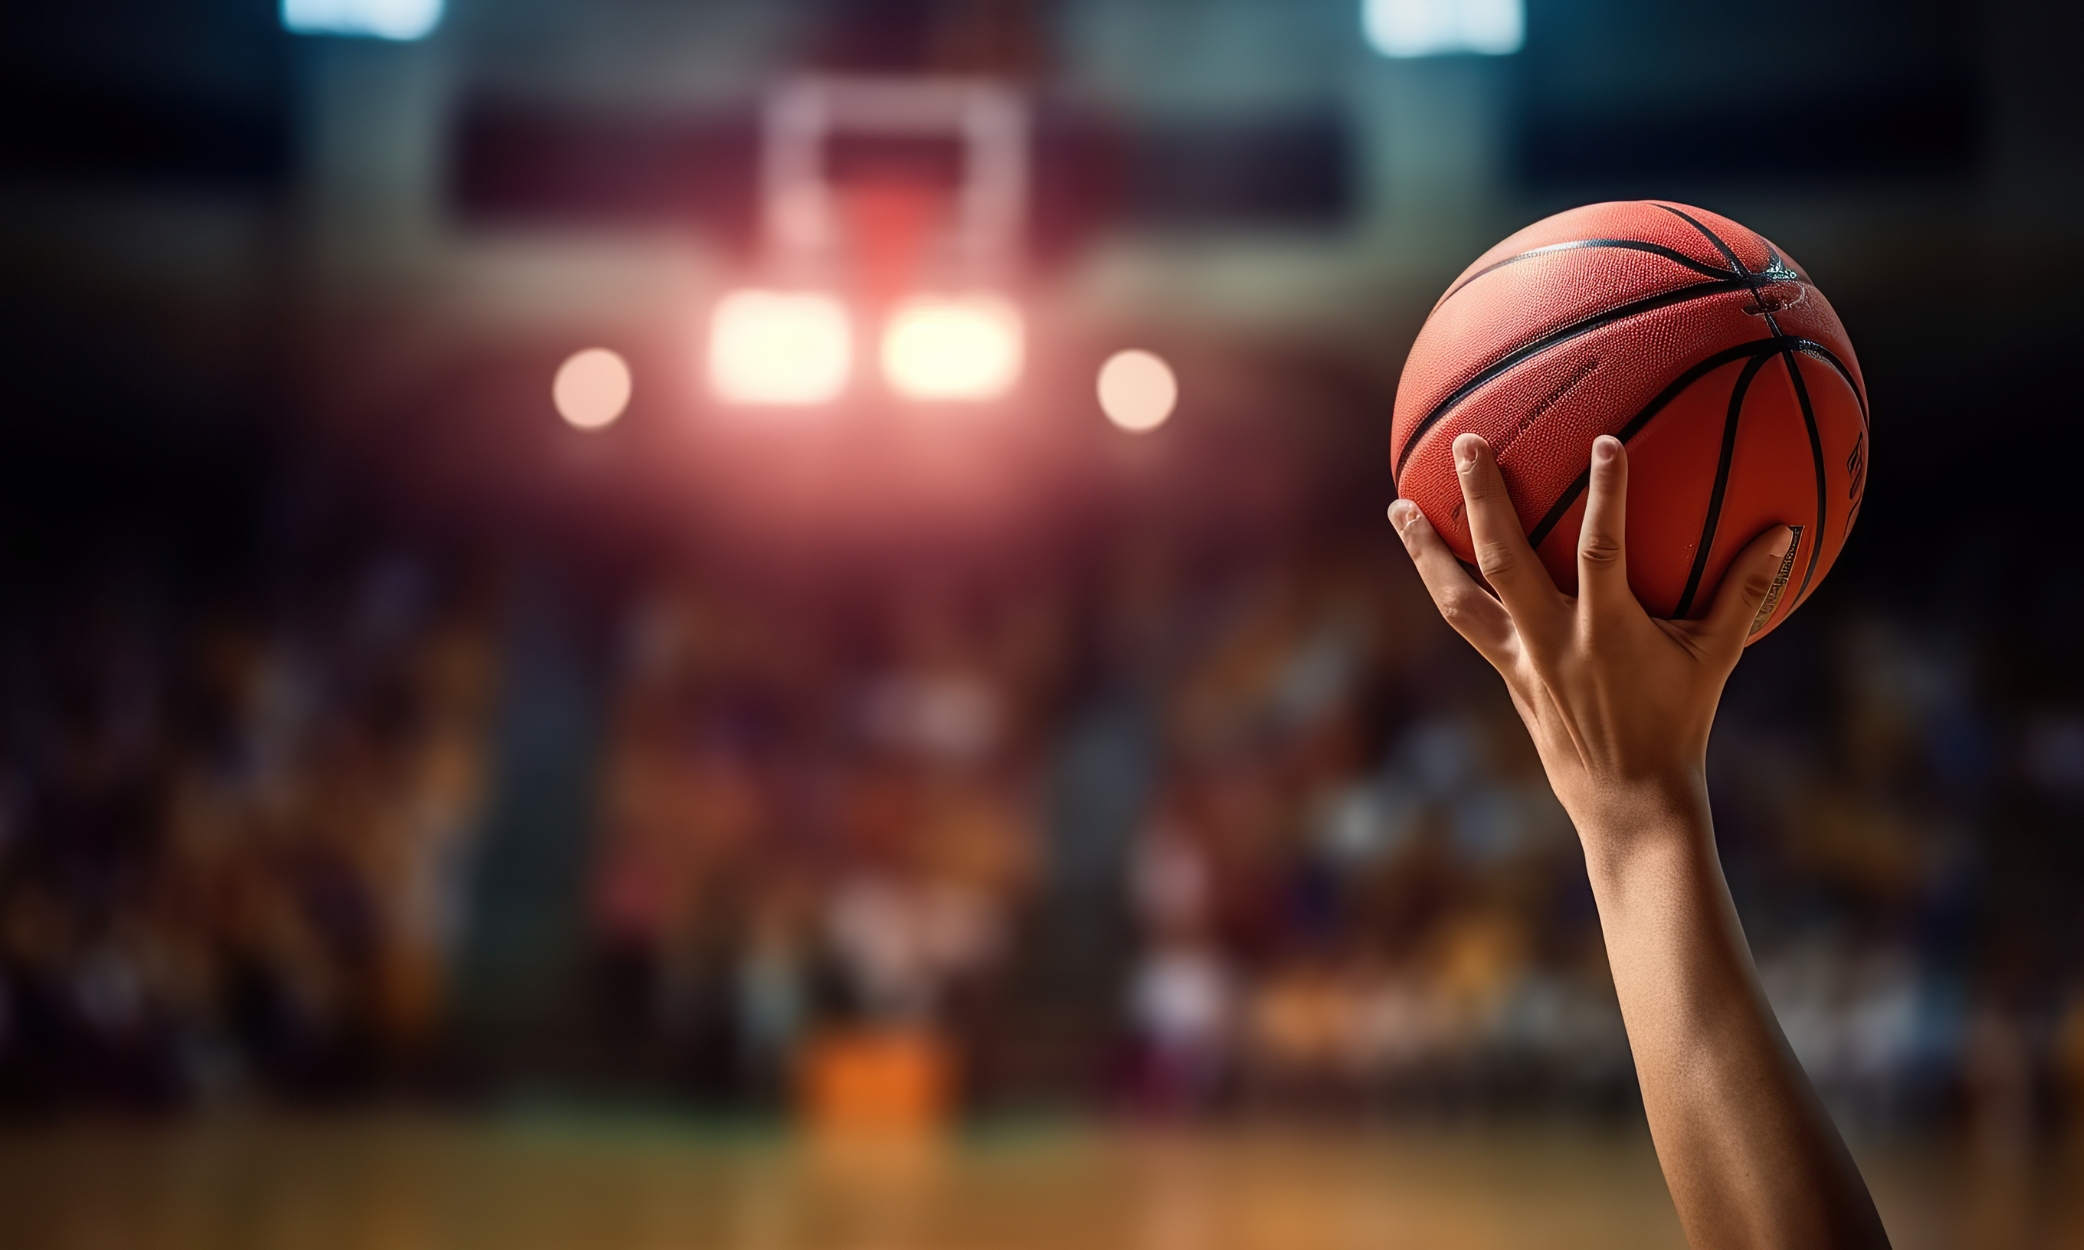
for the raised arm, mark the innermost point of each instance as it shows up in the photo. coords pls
(1620, 707)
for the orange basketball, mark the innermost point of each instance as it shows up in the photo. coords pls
(1694, 341)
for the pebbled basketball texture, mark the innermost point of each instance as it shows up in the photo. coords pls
(1703, 347)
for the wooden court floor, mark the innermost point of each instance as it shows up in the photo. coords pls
(392, 1182)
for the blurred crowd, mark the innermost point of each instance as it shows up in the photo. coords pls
(1342, 884)
(232, 833)
(1353, 886)
(811, 816)
(1288, 829)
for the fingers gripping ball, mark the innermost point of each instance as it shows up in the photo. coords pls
(1700, 345)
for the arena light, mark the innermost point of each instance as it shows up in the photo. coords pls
(401, 20)
(1137, 390)
(779, 347)
(592, 388)
(1411, 28)
(968, 347)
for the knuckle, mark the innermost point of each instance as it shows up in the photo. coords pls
(1494, 558)
(1599, 548)
(1456, 608)
(1757, 578)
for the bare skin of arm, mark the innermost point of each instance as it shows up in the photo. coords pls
(1620, 706)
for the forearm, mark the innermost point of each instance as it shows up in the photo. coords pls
(1620, 706)
(1747, 1149)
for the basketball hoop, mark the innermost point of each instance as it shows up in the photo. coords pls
(931, 258)
(803, 227)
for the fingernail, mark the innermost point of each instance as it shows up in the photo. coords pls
(1465, 450)
(1605, 448)
(1785, 539)
(1400, 514)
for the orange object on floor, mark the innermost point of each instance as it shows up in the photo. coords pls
(890, 1079)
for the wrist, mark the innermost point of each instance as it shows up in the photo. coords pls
(1620, 820)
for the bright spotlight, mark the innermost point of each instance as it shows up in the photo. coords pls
(777, 347)
(936, 347)
(379, 19)
(1406, 28)
(1137, 390)
(592, 388)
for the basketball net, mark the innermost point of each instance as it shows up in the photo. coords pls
(886, 232)
(888, 226)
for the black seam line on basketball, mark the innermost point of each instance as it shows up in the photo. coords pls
(1825, 354)
(1698, 290)
(1823, 492)
(1774, 271)
(1762, 347)
(1756, 347)
(1721, 487)
(1633, 245)
(1712, 237)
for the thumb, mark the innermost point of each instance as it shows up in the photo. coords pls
(1758, 570)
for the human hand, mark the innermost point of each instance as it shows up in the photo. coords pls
(1619, 704)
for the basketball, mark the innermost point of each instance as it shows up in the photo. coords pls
(1699, 344)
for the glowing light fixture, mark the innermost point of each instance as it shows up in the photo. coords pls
(1408, 28)
(592, 388)
(1137, 390)
(400, 20)
(779, 347)
(969, 347)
